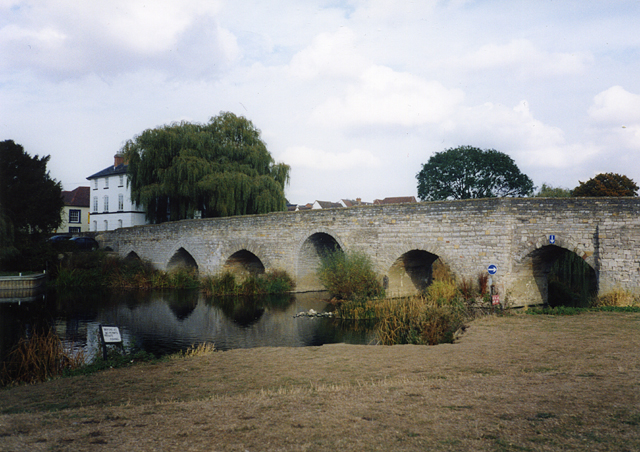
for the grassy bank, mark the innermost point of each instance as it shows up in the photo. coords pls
(506, 385)
(43, 357)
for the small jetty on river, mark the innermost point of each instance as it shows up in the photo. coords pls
(22, 287)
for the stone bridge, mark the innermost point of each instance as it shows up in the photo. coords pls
(522, 237)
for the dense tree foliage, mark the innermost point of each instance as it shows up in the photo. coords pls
(220, 168)
(30, 205)
(548, 191)
(607, 184)
(466, 172)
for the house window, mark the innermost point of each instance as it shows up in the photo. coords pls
(106, 225)
(95, 203)
(95, 184)
(106, 204)
(121, 180)
(95, 226)
(74, 230)
(121, 202)
(74, 216)
(106, 182)
(119, 223)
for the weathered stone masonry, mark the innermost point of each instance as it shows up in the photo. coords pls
(403, 240)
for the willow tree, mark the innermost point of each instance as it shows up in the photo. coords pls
(221, 168)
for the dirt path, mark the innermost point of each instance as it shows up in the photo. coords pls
(510, 384)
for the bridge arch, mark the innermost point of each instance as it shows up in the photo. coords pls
(181, 258)
(408, 268)
(584, 250)
(244, 263)
(132, 255)
(309, 254)
(244, 257)
(536, 263)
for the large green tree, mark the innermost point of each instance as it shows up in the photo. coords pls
(467, 172)
(30, 205)
(220, 168)
(607, 184)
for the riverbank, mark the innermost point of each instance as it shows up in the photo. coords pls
(509, 383)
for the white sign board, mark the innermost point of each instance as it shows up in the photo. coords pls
(111, 335)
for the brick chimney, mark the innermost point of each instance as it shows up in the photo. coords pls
(118, 160)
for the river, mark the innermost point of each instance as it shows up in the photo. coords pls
(169, 321)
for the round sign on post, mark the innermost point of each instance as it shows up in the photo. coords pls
(492, 269)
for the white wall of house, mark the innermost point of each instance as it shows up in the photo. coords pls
(111, 206)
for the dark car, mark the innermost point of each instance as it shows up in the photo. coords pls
(59, 238)
(84, 243)
(60, 242)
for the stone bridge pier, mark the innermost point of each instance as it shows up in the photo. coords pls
(522, 237)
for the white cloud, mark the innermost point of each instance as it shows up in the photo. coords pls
(60, 38)
(305, 157)
(381, 96)
(518, 133)
(616, 106)
(524, 57)
(330, 54)
(615, 113)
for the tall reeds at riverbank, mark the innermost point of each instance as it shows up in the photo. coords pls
(37, 358)
(431, 317)
(224, 284)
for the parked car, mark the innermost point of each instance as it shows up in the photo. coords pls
(59, 238)
(60, 242)
(84, 243)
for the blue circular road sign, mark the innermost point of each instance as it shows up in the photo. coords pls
(492, 269)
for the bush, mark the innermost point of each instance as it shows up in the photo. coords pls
(38, 358)
(349, 276)
(275, 282)
(442, 293)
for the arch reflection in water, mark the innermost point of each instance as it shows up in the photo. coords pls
(166, 322)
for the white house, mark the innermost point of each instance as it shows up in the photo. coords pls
(111, 206)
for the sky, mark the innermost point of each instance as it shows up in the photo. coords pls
(354, 95)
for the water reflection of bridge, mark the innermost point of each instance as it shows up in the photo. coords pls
(169, 321)
(521, 236)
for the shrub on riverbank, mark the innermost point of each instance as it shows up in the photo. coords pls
(267, 283)
(430, 318)
(38, 358)
(349, 276)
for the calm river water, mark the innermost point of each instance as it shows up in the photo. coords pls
(170, 321)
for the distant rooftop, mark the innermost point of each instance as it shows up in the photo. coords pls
(396, 200)
(76, 198)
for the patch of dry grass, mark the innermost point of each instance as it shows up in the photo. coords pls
(616, 298)
(509, 384)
